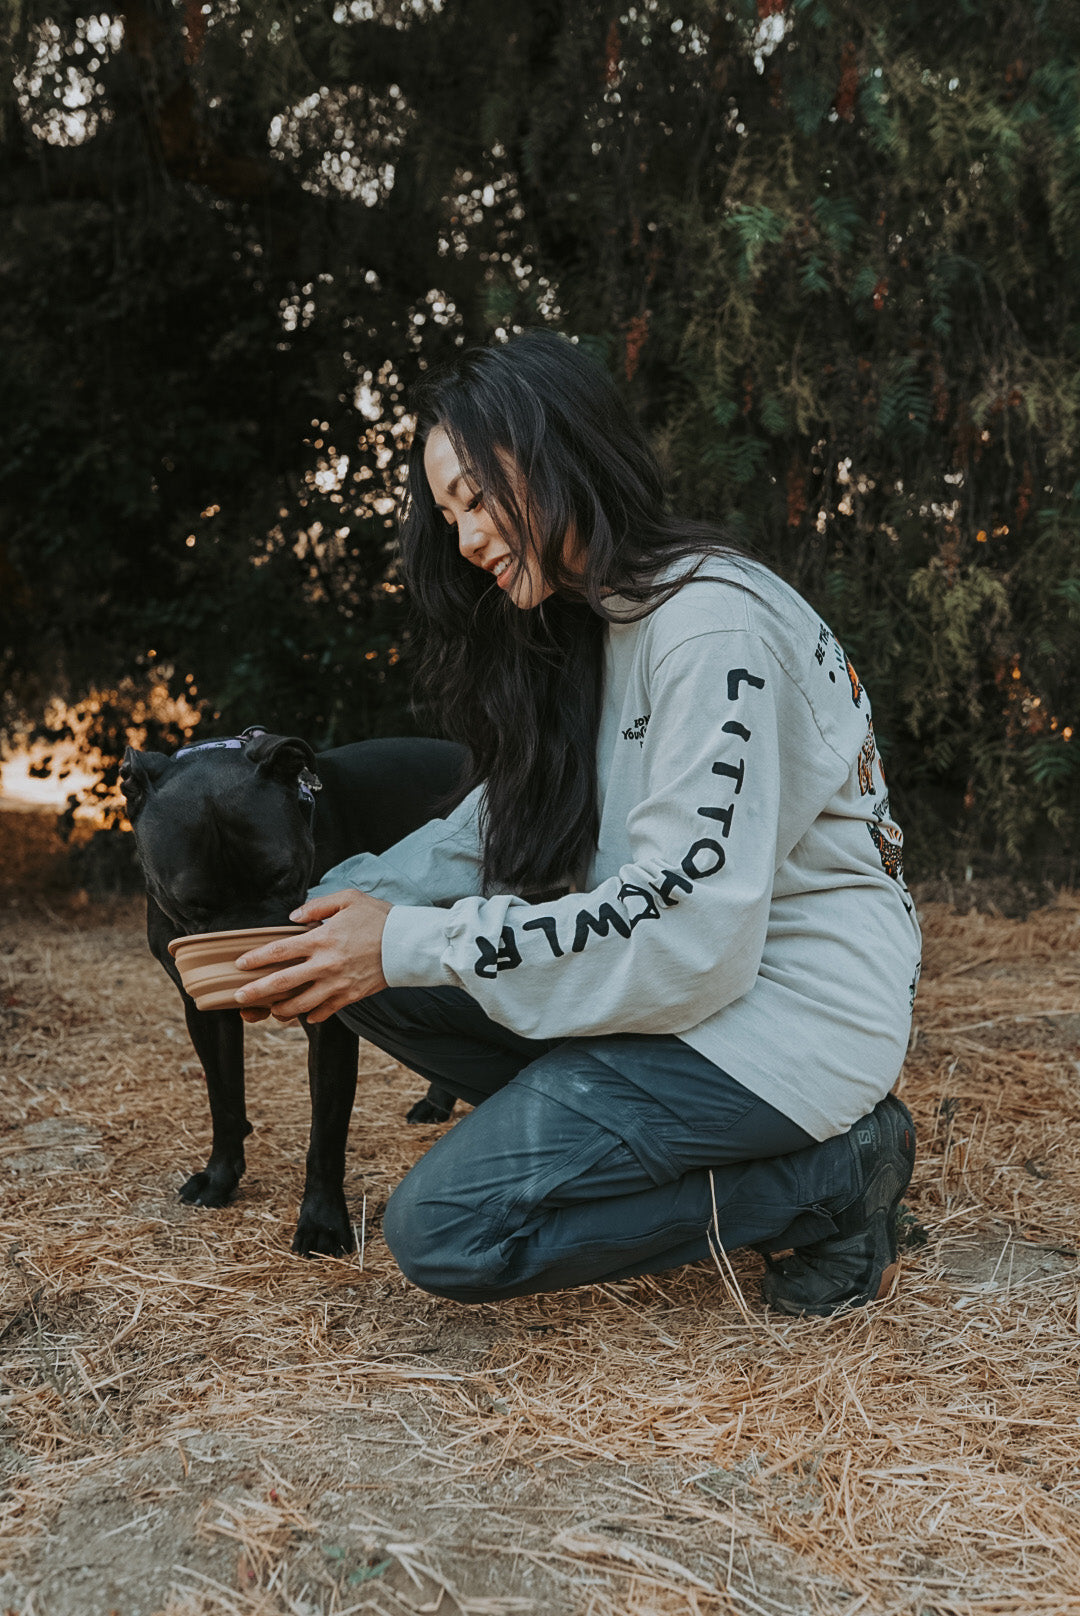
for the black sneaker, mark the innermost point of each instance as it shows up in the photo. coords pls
(857, 1264)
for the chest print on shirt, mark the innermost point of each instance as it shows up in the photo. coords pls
(636, 731)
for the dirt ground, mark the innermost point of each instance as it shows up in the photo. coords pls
(195, 1423)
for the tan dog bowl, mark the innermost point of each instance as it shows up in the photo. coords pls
(207, 962)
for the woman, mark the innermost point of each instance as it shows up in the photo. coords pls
(663, 944)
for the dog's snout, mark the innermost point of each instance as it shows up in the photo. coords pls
(243, 919)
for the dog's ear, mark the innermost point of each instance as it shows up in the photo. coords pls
(138, 772)
(282, 757)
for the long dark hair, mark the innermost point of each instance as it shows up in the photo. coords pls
(540, 428)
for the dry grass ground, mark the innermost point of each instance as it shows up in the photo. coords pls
(195, 1423)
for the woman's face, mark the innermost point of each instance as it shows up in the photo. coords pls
(516, 570)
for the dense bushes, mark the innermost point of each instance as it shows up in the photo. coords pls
(829, 250)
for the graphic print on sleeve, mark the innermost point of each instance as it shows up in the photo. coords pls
(889, 841)
(825, 638)
(635, 902)
(885, 834)
(866, 761)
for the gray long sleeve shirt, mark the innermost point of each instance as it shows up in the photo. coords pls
(746, 893)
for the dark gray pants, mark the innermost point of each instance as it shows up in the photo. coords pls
(589, 1159)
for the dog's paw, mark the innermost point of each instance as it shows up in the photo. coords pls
(210, 1188)
(323, 1230)
(430, 1110)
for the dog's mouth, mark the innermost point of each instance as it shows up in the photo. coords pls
(192, 921)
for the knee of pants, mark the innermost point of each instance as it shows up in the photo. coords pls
(440, 1246)
(399, 1009)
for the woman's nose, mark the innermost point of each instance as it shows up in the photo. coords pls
(470, 539)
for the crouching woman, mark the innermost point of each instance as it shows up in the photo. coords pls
(663, 944)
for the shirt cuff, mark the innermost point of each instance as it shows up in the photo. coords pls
(366, 872)
(413, 941)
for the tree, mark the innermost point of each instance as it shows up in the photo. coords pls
(826, 250)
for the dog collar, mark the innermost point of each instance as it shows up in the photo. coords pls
(234, 744)
(307, 783)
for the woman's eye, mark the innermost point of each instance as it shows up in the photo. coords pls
(475, 503)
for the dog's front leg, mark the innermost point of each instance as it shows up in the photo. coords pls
(218, 1037)
(323, 1228)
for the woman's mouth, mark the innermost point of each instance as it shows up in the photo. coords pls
(501, 572)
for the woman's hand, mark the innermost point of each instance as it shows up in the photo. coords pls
(323, 970)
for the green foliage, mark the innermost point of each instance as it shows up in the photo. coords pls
(830, 255)
(838, 220)
(1053, 762)
(904, 406)
(755, 227)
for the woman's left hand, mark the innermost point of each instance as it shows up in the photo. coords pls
(325, 969)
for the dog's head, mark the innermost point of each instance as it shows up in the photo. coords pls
(223, 828)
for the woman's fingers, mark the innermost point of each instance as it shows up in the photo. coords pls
(314, 1005)
(334, 964)
(315, 909)
(279, 953)
(270, 990)
(313, 1000)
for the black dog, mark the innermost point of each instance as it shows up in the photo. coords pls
(231, 834)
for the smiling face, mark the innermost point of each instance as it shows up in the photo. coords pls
(515, 566)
